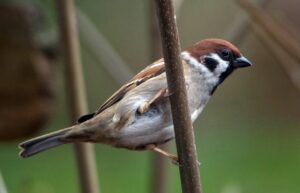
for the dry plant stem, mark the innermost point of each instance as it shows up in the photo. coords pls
(102, 49)
(273, 29)
(184, 134)
(76, 93)
(159, 179)
(289, 65)
(239, 29)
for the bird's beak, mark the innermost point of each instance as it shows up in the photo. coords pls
(241, 62)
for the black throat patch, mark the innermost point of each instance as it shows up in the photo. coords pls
(222, 77)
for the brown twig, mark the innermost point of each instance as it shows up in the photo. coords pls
(186, 149)
(239, 29)
(289, 65)
(76, 92)
(273, 29)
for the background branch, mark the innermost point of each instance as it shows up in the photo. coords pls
(76, 93)
(240, 26)
(262, 25)
(102, 50)
(273, 29)
(289, 65)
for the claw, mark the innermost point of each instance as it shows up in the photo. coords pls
(175, 161)
(172, 157)
(143, 108)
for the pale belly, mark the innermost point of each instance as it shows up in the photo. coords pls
(154, 127)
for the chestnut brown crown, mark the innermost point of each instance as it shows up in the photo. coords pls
(208, 46)
(226, 50)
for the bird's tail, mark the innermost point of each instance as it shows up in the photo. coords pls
(41, 143)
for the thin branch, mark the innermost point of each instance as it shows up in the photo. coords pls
(102, 49)
(75, 84)
(240, 26)
(273, 29)
(190, 179)
(289, 65)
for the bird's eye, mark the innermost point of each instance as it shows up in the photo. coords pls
(225, 54)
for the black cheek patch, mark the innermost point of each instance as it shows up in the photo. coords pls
(210, 63)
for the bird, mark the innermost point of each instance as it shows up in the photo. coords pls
(138, 115)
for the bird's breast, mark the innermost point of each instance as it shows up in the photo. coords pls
(197, 92)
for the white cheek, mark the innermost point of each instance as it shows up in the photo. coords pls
(196, 64)
(209, 77)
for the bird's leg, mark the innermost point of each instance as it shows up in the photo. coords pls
(145, 106)
(173, 157)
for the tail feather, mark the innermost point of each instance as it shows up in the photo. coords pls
(44, 142)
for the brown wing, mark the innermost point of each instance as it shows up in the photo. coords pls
(117, 96)
(152, 70)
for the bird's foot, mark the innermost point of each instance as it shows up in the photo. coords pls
(144, 107)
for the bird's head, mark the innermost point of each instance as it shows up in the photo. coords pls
(215, 59)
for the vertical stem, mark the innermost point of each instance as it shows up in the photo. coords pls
(76, 92)
(186, 149)
(159, 163)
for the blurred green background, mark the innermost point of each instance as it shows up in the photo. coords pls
(247, 137)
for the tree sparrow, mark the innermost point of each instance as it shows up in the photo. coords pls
(138, 115)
